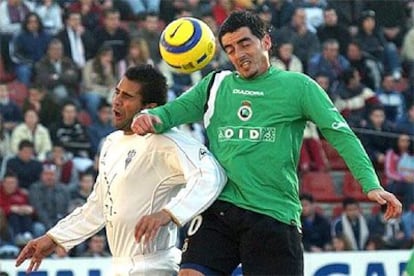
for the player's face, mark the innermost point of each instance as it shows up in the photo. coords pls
(127, 101)
(247, 53)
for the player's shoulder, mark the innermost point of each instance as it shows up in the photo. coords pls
(174, 136)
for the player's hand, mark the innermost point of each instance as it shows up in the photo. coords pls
(36, 250)
(148, 226)
(394, 206)
(144, 123)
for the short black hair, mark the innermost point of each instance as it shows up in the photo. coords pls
(25, 144)
(239, 19)
(349, 201)
(153, 83)
(307, 197)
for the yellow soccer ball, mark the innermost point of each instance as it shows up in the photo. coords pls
(187, 44)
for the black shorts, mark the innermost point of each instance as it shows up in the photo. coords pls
(225, 236)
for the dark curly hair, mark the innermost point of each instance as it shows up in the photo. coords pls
(153, 83)
(239, 19)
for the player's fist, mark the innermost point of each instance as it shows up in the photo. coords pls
(144, 123)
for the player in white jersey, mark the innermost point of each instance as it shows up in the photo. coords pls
(147, 186)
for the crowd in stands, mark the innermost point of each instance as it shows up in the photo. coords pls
(61, 59)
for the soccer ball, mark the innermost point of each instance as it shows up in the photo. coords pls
(187, 44)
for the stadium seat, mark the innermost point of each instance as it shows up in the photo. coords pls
(352, 188)
(334, 159)
(320, 185)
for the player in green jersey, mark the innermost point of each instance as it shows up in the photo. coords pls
(254, 118)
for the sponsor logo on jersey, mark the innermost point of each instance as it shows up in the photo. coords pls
(252, 134)
(245, 112)
(202, 153)
(338, 125)
(130, 155)
(248, 92)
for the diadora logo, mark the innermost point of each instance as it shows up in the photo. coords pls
(248, 92)
(253, 134)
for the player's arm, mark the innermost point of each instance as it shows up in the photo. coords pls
(204, 179)
(187, 108)
(319, 109)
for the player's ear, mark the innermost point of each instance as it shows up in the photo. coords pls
(150, 105)
(267, 42)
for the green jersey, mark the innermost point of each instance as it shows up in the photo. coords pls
(255, 129)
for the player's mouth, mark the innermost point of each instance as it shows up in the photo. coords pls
(117, 115)
(245, 64)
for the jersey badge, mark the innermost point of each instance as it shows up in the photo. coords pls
(130, 155)
(245, 111)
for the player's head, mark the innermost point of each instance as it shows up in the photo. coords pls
(246, 40)
(142, 87)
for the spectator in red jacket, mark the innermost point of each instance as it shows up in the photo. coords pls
(15, 204)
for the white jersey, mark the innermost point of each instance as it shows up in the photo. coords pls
(140, 175)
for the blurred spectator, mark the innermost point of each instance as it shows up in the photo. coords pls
(24, 165)
(305, 43)
(28, 47)
(49, 197)
(90, 11)
(111, 34)
(390, 231)
(10, 111)
(284, 58)
(38, 100)
(123, 6)
(369, 68)
(374, 242)
(96, 247)
(372, 40)
(221, 9)
(149, 30)
(282, 12)
(341, 243)
(397, 181)
(406, 122)
(138, 53)
(69, 133)
(314, 13)
(315, 227)
(323, 81)
(12, 14)
(352, 225)
(59, 74)
(15, 204)
(333, 29)
(5, 144)
(377, 136)
(84, 189)
(102, 127)
(392, 100)
(7, 248)
(99, 80)
(144, 6)
(391, 17)
(51, 14)
(407, 54)
(328, 62)
(354, 98)
(265, 13)
(65, 168)
(408, 222)
(33, 131)
(78, 42)
(348, 13)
